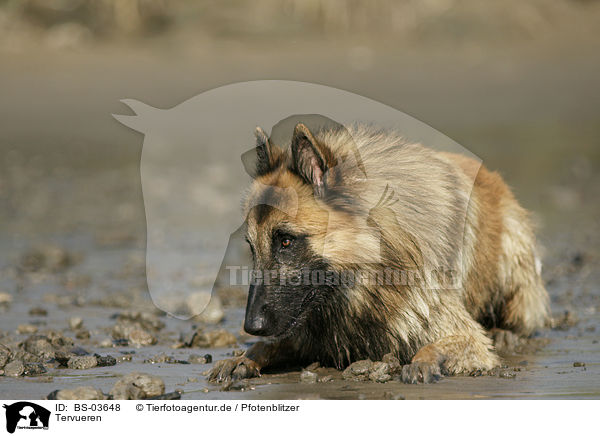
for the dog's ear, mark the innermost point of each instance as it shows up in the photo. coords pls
(311, 159)
(265, 154)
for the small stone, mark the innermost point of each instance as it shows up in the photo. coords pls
(105, 343)
(358, 370)
(4, 356)
(141, 338)
(38, 311)
(5, 298)
(212, 339)
(506, 374)
(80, 393)
(325, 379)
(237, 385)
(159, 358)
(62, 357)
(308, 377)
(144, 320)
(40, 346)
(16, 368)
(75, 323)
(137, 386)
(48, 258)
(380, 372)
(195, 358)
(105, 360)
(34, 369)
(578, 364)
(169, 396)
(82, 362)
(26, 329)
(82, 334)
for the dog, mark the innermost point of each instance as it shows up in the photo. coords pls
(459, 250)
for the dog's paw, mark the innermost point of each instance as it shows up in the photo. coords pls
(233, 369)
(421, 372)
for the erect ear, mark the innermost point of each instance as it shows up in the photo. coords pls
(264, 152)
(311, 159)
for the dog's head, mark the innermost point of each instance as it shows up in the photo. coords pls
(302, 226)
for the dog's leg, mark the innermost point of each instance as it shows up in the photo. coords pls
(451, 355)
(259, 356)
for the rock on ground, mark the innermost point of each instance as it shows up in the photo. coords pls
(82, 362)
(137, 386)
(308, 377)
(16, 368)
(213, 339)
(80, 393)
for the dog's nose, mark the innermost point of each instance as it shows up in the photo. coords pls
(256, 325)
(255, 322)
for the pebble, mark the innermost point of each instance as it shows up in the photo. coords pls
(195, 358)
(105, 360)
(169, 396)
(141, 338)
(80, 393)
(82, 334)
(212, 339)
(4, 355)
(308, 377)
(16, 368)
(26, 329)
(40, 346)
(75, 323)
(325, 379)
(145, 320)
(506, 374)
(82, 362)
(358, 371)
(105, 343)
(5, 298)
(159, 358)
(137, 386)
(380, 372)
(47, 258)
(34, 369)
(38, 311)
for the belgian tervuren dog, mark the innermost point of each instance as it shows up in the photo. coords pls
(452, 252)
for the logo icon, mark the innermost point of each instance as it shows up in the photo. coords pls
(26, 415)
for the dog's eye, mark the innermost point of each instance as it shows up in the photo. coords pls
(286, 242)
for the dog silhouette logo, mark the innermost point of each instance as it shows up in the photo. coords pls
(26, 415)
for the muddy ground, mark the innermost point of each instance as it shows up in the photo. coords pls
(73, 230)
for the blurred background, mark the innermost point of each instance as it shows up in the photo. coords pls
(516, 82)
